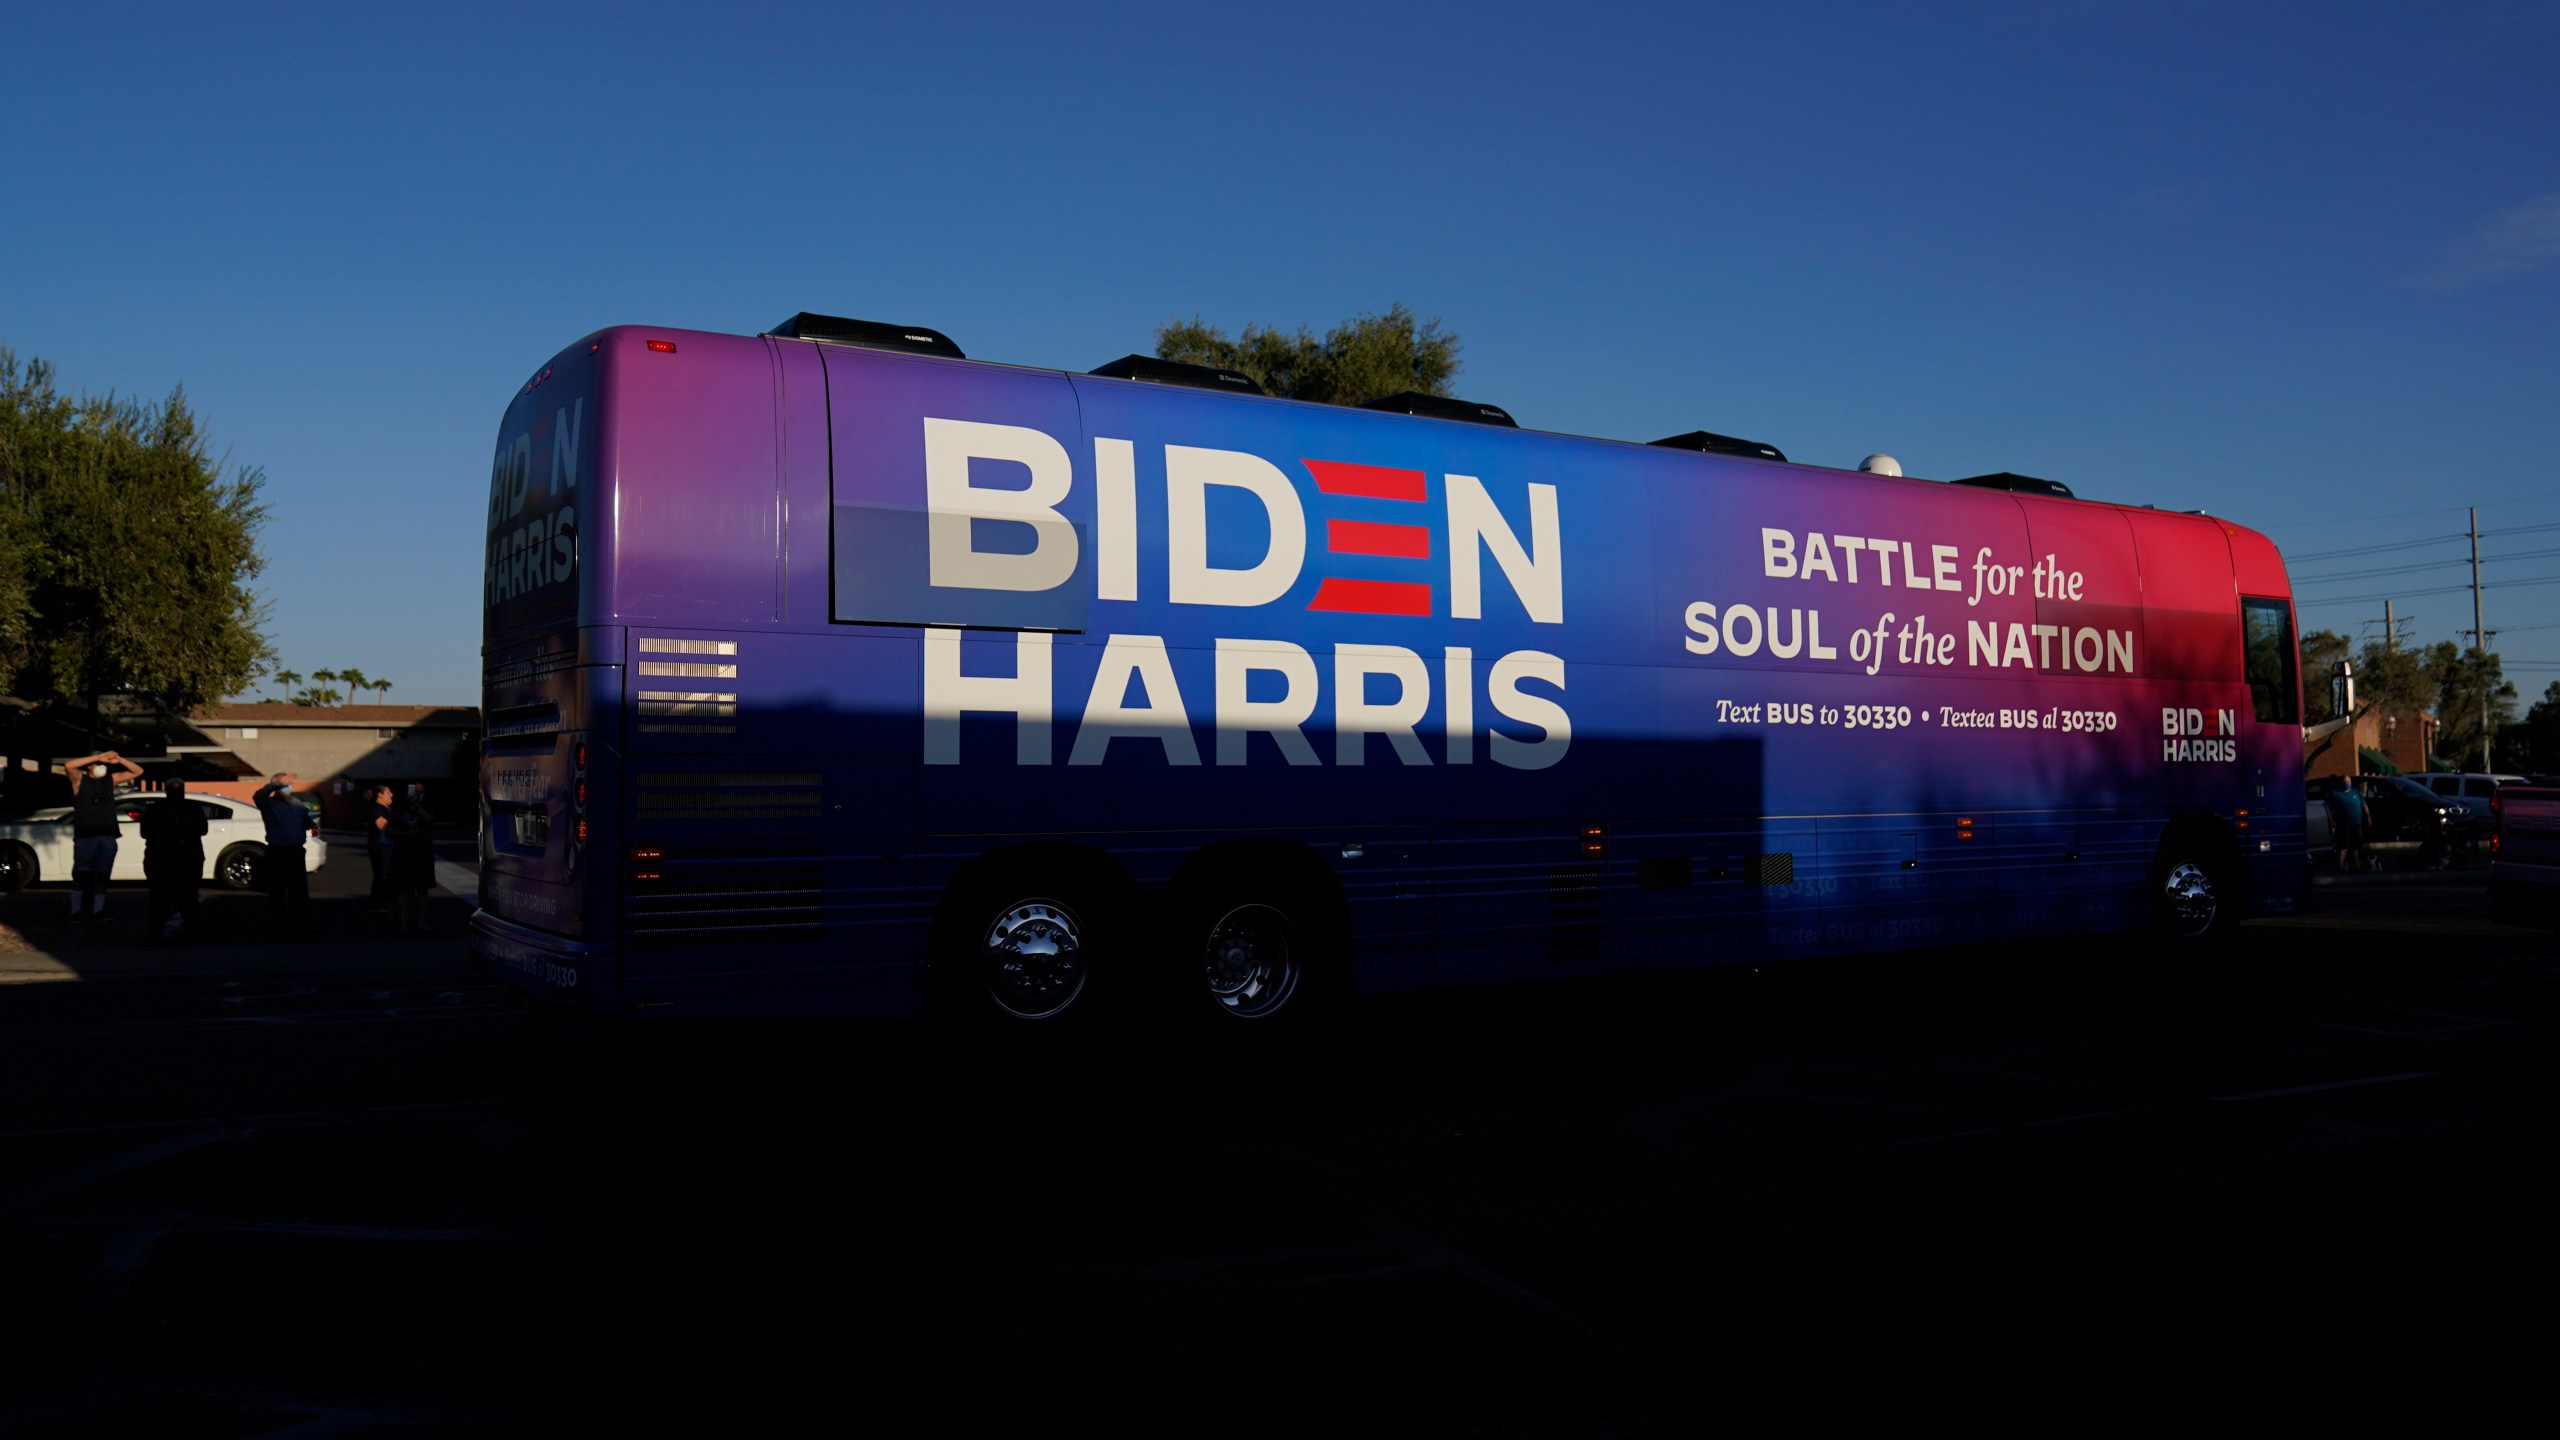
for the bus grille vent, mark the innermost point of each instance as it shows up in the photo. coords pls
(524, 721)
(1573, 913)
(667, 645)
(1779, 869)
(758, 795)
(688, 712)
(763, 894)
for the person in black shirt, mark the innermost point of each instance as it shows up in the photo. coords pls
(377, 848)
(173, 861)
(413, 858)
(94, 815)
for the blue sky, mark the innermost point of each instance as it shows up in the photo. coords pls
(2297, 264)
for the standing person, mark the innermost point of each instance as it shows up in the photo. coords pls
(413, 858)
(94, 816)
(173, 861)
(377, 848)
(288, 881)
(2346, 827)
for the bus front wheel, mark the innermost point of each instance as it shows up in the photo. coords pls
(2193, 898)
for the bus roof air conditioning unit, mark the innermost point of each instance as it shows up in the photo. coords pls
(1442, 407)
(867, 334)
(1708, 442)
(2017, 484)
(1177, 372)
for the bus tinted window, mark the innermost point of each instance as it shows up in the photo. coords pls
(2268, 625)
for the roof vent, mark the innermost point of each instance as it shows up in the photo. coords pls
(1707, 442)
(868, 334)
(2017, 484)
(1442, 407)
(1176, 372)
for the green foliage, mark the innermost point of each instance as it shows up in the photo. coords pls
(126, 556)
(2533, 743)
(2321, 652)
(2471, 685)
(1364, 358)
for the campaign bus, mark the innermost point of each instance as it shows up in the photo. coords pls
(829, 672)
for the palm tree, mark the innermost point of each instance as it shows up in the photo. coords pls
(288, 679)
(355, 681)
(385, 687)
(324, 693)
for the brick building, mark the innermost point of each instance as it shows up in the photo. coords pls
(2405, 738)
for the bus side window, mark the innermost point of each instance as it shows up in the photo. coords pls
(2267, 628)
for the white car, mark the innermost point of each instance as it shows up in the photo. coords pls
(38, 846)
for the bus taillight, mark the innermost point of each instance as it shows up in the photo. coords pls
(663, 347)
(1964, 827)
(645, 862)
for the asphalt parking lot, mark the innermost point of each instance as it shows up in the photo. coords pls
(342, 1188)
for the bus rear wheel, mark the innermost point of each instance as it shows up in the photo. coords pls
(1021, 950)
(1248, 950)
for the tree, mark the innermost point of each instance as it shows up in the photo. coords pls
(2471, 689)
(288, 679)
(2396, 680)
(385, 687)
(2321, 652)
(126, 554)
(354, 680)
(2533, 743)
(1364, 358)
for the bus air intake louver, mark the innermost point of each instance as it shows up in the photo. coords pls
(1443, 407)
(1177, 372)
(2017, 484)
(867, 335)
(1708, 442)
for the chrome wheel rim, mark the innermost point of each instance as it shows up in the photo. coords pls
(2188, 892)
(1031, 961)
(1251, 961)
(240, 872)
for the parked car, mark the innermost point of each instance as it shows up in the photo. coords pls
(37, 847)
(2399, 810)
(2472, 790)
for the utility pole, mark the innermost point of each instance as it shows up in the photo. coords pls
(2390, 628)
(2479, 639)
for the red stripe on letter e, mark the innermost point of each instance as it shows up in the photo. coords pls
(1376, 482)
(1372, 597)
(1363, 537)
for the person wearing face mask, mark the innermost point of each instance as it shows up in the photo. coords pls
(94, 816)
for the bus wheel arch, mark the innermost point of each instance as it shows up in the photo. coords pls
(2196, 877)
(1034, 936)
(1257, 934)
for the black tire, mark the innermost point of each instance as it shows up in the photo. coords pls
(241, 867)
(1030, 949)
(17, 868)
(2195, 898)
(1254, 952)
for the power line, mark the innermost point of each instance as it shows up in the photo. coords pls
(2353, 550)
(2423, 565)
(2300, 602)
